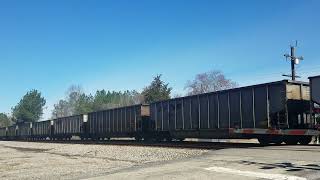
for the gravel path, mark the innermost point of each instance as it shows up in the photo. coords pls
(30, 160)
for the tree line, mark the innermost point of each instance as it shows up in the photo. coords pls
(30, 107)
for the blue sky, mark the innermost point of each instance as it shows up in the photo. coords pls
(122, 44)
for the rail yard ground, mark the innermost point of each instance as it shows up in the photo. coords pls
(40, 160)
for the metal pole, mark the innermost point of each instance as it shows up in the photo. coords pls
(294, 60)
(293, 71)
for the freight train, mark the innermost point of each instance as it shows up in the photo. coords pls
(273, 113)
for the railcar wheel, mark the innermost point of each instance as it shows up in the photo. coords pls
(305, 140)
(138, 138)
(148, 139)
(291, 140)
(277, 140)
(158, 139)
(263, 141)
(169, 139)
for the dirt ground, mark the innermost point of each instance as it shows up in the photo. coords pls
(31, 160)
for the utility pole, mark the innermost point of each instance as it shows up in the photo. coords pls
(294, 61)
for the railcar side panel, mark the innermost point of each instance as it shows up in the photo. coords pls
(315, 89)
(118, 122)
(179, 114)
(3, 133)
(235, 109)
(68, 126)
(25, 130)
(223, 110)
(260, 107)
(42, 129)
(172, 115)
(277, 103)
(247, 106)
(213, 111)
(12, 131)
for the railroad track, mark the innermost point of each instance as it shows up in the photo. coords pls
(174, 144)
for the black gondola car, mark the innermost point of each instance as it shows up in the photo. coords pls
(12, 132)
(25, 130)
(130, 121)
(315, 91)
(246, 112)
(3, 133)
(42, 129)
(66, 127)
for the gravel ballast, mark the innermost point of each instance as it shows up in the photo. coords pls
(36, 160)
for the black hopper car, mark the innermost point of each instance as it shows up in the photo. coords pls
(276, 112)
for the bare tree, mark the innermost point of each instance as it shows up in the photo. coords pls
(137, 98)
(78, 102)
(61, 109)
(209, 82)
(177, 95)
(67, 106)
